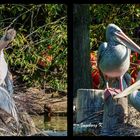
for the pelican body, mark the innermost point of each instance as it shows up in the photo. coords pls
(9, 35)
(3, 69)
(114, 55)
(6, 83)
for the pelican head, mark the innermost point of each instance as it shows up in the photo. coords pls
(9, 35)
(114, 33)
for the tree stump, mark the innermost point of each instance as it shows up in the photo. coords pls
(88, 102)
(115, 110)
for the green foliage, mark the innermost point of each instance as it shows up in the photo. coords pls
(126, 16)
(39, 52)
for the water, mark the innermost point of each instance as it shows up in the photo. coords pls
(58, 123)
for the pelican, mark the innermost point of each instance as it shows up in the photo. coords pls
(8, 37)
(114, 56)
(6, 83)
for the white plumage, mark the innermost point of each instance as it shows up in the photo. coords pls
(3, 68)
(6, 84)
(7, 103)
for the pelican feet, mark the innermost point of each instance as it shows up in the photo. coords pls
(110, 92)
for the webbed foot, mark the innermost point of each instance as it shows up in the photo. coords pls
(111, 92)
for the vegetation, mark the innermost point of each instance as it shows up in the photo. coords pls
(127, 17)
(38, 55)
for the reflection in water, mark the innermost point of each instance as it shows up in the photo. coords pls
(58, 123)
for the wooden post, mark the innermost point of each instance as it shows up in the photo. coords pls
(115, 110)
(114, 115)
(88, 102)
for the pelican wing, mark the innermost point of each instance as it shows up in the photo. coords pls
(7, 103)
(8, 85)
(101, 51)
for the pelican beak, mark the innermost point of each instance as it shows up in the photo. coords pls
(128, 90)
(125, 40)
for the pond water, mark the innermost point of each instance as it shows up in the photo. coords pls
(58, 123)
